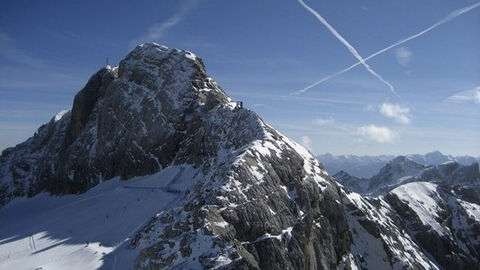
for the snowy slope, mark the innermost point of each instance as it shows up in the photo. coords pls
(441, 221)
(378, 239)
(258, 199)
(424, 200)
(81, 231)
(156, 168)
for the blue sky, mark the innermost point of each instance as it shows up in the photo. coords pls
(261, 52)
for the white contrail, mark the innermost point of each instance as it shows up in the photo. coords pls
(352, 50)
(448, 18)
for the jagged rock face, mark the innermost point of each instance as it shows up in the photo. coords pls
(25, 169)
(260, 201)
(255, 212)
(379, 240)
(446, 226)
(452, 173)
(255, 200)
(151, 111)
(154, 113)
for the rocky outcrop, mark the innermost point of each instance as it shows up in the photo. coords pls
(261, 201)
(127, 121)
(271, 217)
(378, 237)
(445, 226)
(254, 199)
(25, 169)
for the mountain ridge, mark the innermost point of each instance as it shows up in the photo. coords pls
(366, 166)
(402, 170)
(254, 195)
(156, 168)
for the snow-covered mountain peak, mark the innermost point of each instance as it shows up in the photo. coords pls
(400, 160)
(400, 166)
(178, 76)
(160, 170)
(153, 53)
(393, 173)
(239, 191)
(435, 156)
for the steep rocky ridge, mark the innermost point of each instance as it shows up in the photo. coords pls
(258, 200)
(250, 198)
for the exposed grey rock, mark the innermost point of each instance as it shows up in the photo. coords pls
(263, 202)
(257, 200)
(457, 244)
(378, 238)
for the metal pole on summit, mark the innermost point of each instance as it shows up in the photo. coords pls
(106, 61)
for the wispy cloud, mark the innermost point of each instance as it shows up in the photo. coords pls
(448, 18)
(159, 30)
(10, 51)
(377, 134)
(323, 121)
(352, 50)
(472, 95)
(403, 56)
(306, 142)
(398, 113)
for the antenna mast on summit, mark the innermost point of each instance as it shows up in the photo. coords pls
(106, 61)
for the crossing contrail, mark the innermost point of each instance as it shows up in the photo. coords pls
(352, 50)
(448, 18)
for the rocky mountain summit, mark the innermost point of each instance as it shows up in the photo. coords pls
(257, 199)
(167, 172)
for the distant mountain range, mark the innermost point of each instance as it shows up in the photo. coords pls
(367, 166)
(157, 168)
(403, 169)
